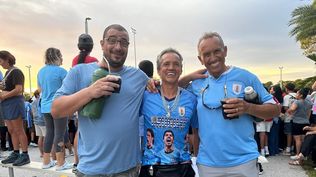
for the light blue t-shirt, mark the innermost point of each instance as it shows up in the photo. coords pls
(110, 144)
(38, 117)
(49, 79)
(226, 143)
(28, 114)
(1, 76)
(169, 158)
(156, 121)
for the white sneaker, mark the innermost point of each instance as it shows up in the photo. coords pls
(33, 144)
(267, 152)
(262, 159)
(65, 166)
(294, 157)
(49, 165)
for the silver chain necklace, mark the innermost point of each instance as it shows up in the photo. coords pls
(166, 106)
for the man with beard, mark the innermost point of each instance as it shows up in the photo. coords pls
(109, 145)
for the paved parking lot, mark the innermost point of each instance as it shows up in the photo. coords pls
(277, 167)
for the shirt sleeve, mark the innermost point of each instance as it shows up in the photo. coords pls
(70, 84)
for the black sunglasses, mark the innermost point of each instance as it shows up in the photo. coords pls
(209, 107)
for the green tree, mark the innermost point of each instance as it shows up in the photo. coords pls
(301, 83)
(304, 28)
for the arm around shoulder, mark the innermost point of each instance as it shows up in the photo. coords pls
(185, 80)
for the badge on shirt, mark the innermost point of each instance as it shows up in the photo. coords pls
(237, 88)
(181, 111)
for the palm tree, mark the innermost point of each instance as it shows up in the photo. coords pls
(304, 28)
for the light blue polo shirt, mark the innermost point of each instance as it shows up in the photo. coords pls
(226, 143)
(110, 144)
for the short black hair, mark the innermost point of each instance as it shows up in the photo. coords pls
(167, 132)
(147, 67)
(85, 42)
(114, 26)
(290, 86)
(304, 92)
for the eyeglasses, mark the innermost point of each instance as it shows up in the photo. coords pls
(209, 107)
(114, 40)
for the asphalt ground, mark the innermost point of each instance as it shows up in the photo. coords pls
(34, 156)
(276, 167)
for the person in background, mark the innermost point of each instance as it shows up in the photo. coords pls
(313, 99)
(3, 140)
(307, 147)
(274, 135)
(39, 122)
(288, 99)
(85, 46)
(4, 134)
(49, 79)
(148, 68)
(72, 128)
(12, 102)
(29, 125)
(301, 110)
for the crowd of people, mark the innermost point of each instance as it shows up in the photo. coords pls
(147, 128)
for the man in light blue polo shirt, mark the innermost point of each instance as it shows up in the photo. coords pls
(227, 146)
(108, 146)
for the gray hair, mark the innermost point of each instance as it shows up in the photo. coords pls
(53, 56)
(168, 50)
(210, 35)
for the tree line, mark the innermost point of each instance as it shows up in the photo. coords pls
(299, 83)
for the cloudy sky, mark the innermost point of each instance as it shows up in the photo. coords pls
(255, 31)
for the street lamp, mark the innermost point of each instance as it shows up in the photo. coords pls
(134, 33)
(29, 67)
(281, 68)
(86, 24)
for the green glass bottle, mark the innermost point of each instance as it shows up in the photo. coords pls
(94, 108)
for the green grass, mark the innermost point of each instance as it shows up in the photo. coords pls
(308, 167)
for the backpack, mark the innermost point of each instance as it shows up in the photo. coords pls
(291, 100)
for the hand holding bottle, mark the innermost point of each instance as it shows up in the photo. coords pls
(105, 86)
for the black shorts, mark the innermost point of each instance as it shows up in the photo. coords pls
(178, 170)
(312, 119)
(297, 129)
(71, 126)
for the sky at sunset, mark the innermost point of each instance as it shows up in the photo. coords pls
(256, 32)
